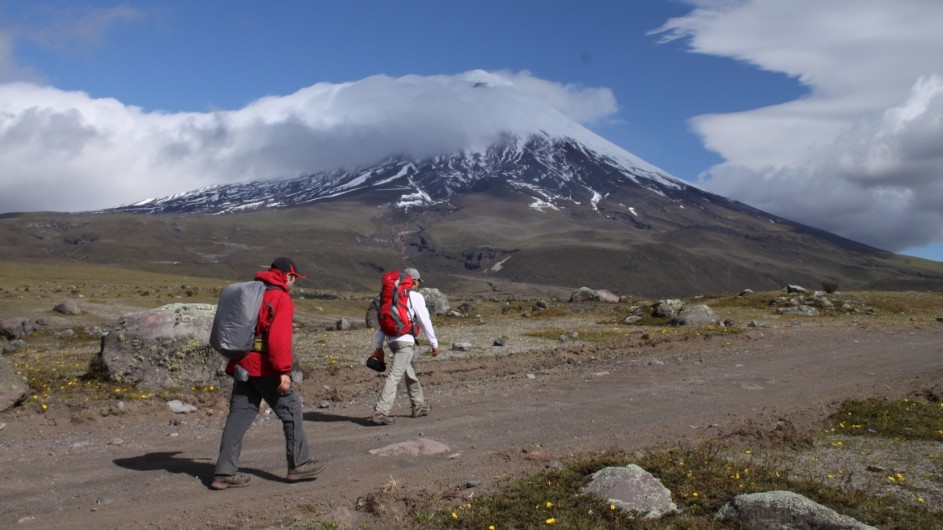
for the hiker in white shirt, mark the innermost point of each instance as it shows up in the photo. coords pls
(404, 353)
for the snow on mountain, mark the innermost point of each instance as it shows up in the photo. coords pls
(571, 166)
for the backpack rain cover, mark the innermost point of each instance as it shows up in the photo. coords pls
(237, 315)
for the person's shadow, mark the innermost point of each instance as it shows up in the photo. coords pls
(168, 461)
(330, 418)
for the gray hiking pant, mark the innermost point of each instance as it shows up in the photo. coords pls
(403, 365)
(244, 407)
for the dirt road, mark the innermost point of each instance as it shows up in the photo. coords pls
(499, 418)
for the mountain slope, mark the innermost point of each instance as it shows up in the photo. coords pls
(541, 213)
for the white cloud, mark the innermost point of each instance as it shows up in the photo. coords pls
(68, 151)
(862, 154)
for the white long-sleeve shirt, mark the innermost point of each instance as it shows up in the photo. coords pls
(419, 313)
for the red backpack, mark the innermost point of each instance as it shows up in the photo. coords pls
(393, 313)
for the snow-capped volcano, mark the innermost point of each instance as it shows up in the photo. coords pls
(552, 169)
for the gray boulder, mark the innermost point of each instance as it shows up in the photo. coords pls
(13, 388)
(163, 349)
(667, 308)
(437, 302)
(695, 316)
(16, 327)
(607, 296)
(632, 489)
(584, 294)
(784, 510)
(68, 307)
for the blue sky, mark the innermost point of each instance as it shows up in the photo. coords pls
(825, 113)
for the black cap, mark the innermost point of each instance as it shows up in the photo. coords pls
(287, 266)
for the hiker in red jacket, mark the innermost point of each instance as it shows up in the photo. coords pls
(265, 373)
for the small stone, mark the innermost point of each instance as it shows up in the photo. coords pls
(180, 407)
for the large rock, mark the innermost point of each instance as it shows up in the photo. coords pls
(667, 308)
(584, 294)
(695, 316)
(16, 327)
(163, 349)
(68, 307)
(632, 489)
(784, 510)
(13, 388)
(607, 296)
(437, 302)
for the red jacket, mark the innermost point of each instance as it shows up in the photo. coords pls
(275, 326)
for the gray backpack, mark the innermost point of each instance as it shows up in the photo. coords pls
(237, 315)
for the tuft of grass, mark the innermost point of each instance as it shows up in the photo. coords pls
(591, 335)
(63, 378)
(907, 419)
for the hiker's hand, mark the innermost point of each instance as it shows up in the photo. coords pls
(435, 351)
(378, 354)
(284, 384)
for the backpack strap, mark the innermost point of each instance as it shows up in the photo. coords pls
(261, 343)
(414, 320)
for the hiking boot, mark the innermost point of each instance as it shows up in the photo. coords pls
(306, 471)
(379, 418)
(221, 482)
(421, 409)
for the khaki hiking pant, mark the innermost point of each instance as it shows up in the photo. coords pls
(403, 365)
